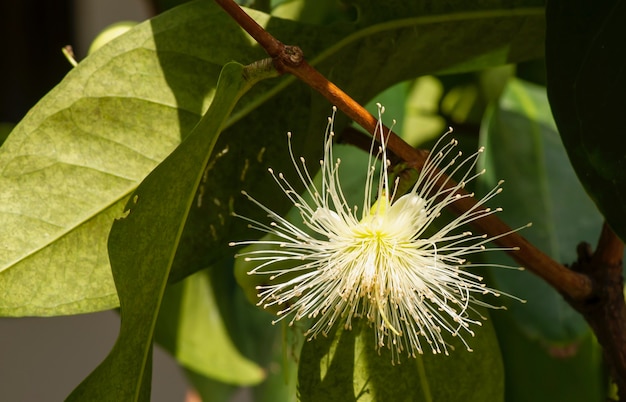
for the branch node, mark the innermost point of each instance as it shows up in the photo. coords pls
(289, 57)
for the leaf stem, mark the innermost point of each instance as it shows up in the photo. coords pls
(290, 59)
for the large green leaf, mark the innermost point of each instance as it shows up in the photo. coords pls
(523, 148)
(71, 164)
(586, 72)
(540, 372)
(347, 367)
(142, 245)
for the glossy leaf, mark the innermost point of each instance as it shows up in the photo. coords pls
(423, 122)
(586, 73)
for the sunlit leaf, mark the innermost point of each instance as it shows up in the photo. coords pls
(143, 243)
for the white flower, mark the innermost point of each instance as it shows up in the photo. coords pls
(378, 264)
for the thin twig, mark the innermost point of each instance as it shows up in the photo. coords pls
(289, 59)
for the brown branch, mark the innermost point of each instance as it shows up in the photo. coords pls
(605, 310)
(290, 59)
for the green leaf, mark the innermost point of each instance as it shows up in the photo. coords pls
(271, 347)
(142, 246)
(422, 121)
(190, 326)
(540, 372)
(313, 12)
(70, 165)
(523, 148)
(68, 168)
(586, 73)
(279, 386)
(347, 367)
(281, 383)
(397, 40)
(109, 33)
(394, 100)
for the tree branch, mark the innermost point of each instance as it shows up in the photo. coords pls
(290, 59)
(604, 309)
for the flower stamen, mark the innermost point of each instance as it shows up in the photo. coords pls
(380, 266)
